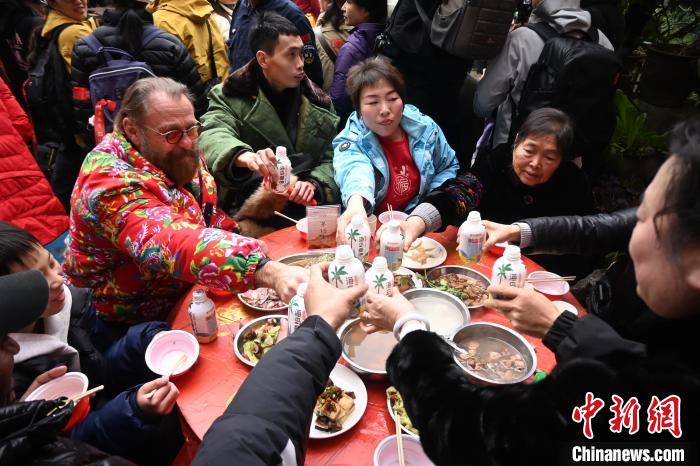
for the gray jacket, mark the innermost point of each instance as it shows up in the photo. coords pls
(506, 74)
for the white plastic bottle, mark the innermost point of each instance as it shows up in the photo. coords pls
(347, 271)
(296, 309)
(284, 169)
(358, 235)
(391, 245)
(471, 238)
(203, 317)
(379, 277)
(509, 269)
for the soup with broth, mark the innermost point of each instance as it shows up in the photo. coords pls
(444, 318)
(492, 359)
(369, 351)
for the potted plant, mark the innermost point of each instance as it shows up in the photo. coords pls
(672, 49)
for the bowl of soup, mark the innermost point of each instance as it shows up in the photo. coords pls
(445, 312)
(496, 355)
(366, 353)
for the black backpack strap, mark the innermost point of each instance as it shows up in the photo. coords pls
(212, 63)
(326, 47)
(544, 30)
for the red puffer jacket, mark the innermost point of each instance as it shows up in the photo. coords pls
(26, 198)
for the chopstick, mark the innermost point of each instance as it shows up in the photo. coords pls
(399, 439)
(391, 212)
(181, 360)
(284, 216)
(76, 398)
(568, 278)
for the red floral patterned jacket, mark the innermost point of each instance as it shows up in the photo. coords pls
(140, 242)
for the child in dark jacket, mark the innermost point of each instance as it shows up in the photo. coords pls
(123, 419)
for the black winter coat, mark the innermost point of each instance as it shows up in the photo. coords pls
(528, 424)
(268, 421)
(166, 55)
(28, 437)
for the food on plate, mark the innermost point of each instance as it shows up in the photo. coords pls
(468, 289)
(493, 359)
(421, 251)
(309, 261)
(396, 403)
(264, 298)
(260, 340)
(404, 282)
(333, 407)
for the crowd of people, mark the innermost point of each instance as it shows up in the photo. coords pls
(137, 159)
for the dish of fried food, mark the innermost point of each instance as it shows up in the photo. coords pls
(424, 253)
(340, 406)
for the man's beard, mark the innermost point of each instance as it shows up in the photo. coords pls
(179, 165)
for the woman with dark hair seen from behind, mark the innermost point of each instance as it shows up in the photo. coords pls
(591, 355)
(331, 33)
(367, 17)
(129, 26)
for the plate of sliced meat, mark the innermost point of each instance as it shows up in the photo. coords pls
(340, 406)
(263, 299)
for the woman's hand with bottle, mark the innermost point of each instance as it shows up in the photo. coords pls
(382, 312)
(356, 206)
(499, 233)
(412, 228)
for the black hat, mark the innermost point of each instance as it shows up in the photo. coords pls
(23, 298)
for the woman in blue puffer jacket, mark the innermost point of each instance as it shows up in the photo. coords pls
(389, 153)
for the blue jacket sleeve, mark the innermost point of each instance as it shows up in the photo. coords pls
(270, 417)
(118, 427)
(352, 167)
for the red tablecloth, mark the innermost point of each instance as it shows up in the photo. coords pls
(206, 390)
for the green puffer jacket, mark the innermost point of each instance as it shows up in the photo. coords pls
(240, 117)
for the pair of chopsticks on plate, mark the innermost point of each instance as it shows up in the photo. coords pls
(568, 278)
(76, 398)
(180, 361)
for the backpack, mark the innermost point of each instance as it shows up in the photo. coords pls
(470, 29)
(47, 91)
(109, 81)
(579, 77)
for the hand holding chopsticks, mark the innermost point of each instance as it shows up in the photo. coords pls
(180, 361)
(76, 398)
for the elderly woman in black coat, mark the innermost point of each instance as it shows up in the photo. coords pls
(537, 423)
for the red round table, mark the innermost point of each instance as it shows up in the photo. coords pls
(210, 385)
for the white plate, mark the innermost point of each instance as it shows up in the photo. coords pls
(349, 381)
(391, 413)
(564, 306)
(431, 262)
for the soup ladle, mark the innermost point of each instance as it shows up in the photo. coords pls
(454, 346)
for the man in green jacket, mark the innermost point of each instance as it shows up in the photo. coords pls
(267, 103)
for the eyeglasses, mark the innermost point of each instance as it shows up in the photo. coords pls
(174, 136)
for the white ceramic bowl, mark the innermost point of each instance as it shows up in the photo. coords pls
(166, 348)
(387, 453)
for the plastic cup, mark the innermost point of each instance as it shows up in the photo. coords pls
(552, 290)
(385, 217)
(303, 227)
(165, 350)
(387, 453)
(372, 221)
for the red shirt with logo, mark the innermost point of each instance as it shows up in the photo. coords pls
(404, 177)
